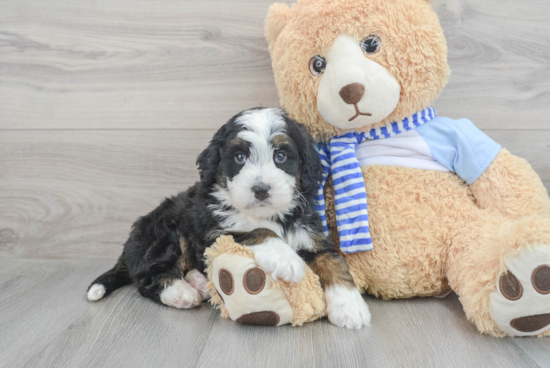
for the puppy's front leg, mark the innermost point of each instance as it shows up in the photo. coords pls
(273, 254)
(345, 305)
(279, 259)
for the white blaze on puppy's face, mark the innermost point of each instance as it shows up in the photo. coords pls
(347, 65)
(260, 170)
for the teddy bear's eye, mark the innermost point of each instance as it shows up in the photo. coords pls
(317, 65)
(371, 44)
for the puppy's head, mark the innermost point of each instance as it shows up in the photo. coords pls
(261, 163)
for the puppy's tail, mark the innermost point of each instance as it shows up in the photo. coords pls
(111, 280)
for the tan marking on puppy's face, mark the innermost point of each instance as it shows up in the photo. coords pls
(227, 168)
(221, 179)
(281, 140)
(282, 143)
(236, 144)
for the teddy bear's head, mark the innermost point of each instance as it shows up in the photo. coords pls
(351, 65)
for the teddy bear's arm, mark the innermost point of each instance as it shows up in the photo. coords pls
(511, 186)
(498, 179)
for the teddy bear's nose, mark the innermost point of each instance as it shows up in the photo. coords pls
(352, 93)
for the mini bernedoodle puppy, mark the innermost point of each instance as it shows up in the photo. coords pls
(258, 178)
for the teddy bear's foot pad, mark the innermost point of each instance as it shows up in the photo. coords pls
(531, 323)
(249, 294)
(521, 304)
(260, 318)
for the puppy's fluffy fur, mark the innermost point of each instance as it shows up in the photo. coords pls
(258, 178)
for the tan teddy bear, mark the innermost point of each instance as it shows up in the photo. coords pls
(423, 204)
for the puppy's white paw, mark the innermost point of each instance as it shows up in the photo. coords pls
(346, 307)
(280, 260)
(180, 295)
(96, 292)
(198, 281)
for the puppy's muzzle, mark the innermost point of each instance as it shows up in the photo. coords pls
(261, 191)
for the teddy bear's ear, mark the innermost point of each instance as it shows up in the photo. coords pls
(277, 16)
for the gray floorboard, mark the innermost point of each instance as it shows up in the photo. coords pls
(104, 105)
(46, 321)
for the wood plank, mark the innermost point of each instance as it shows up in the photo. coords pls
(132, 64)
(47, 322)
(536, 349)
(405, 333)
(75, 194)
(190, 64)
(500, 63)
(9, 267)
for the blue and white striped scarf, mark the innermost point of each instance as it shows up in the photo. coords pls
(350, 195)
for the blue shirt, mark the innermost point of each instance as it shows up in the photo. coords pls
(459, 146)
(441, 144)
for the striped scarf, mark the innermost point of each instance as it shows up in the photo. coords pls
(350, 196)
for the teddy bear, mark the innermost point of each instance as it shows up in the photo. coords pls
(419, 204)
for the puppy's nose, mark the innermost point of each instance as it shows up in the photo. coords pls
(352, 93)
(260, 191)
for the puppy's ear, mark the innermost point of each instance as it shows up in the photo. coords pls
(311, 170)
(209, 159)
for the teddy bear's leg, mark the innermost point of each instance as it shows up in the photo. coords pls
(511, 187)
(500, 268)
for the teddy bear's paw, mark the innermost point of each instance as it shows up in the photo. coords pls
(179, 294)
(280, 260)
(521, 304)
(198, 281)
(248, 292)
(346, 307)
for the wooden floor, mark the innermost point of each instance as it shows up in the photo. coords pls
(104, 105)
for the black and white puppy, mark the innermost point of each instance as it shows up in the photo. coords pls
(258, 178)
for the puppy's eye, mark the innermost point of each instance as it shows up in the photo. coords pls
(240, 158)
(280, 157)
(371, 44)
(317, 65)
